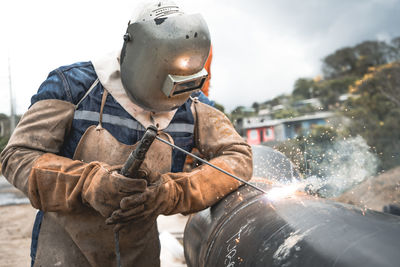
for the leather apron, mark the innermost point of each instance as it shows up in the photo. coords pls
(81, 237)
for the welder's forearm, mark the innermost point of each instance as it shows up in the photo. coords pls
(17, 164)
(55, 183)
(238, 157)
(216, 137)
(218, 141)
(41, 130)
(51, 182)
(205, 185)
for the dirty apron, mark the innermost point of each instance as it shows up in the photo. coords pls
(81, 238)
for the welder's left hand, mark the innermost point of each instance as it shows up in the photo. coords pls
(157, 199)
(182, 192)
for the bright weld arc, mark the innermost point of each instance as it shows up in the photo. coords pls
(209, 164)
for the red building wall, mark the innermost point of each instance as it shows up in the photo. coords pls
(260, 135)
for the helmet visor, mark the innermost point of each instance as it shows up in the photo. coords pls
(176, 84)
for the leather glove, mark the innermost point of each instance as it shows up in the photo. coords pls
(155, 200)
(183, 192)
(61, 184)
(104, 188)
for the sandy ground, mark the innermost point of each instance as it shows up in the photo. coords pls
(15, 234)
(16, 223)
(376, 192)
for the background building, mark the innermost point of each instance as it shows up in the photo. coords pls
(257, 130)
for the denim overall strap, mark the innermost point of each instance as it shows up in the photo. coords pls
(87, 93)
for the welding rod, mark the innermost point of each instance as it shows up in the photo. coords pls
(212, 165)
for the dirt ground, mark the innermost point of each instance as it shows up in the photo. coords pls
(376, 192)
(16, 223)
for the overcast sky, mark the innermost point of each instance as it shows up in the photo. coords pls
(260, 46)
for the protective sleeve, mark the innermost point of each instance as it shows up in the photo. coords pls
(39, 137)
(42, 130)
(218, 141)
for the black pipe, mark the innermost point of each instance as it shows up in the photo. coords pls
(247, 228)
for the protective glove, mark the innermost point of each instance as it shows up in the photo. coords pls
(61, 184)
(104, 188)
(156, 199)
(177, 193)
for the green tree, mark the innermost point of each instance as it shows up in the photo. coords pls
(3, 116)
(256, 106)
(286, 113)
(372, 53)
(341, 62)
(281, 99)
(4, 139)
(303, 88)
(396, 45)
(375, 113)
(219, 106)
(241, 112)
(329, 91)
(356, 60)
(386, 79)
(3, 142)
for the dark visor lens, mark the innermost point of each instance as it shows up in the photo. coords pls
(184, 87)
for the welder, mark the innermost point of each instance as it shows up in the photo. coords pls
(67, 151)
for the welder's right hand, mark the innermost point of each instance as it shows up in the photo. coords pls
(104, 188)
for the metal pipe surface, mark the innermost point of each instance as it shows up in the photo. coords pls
(247, 228)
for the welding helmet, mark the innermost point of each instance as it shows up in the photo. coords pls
(163, 56)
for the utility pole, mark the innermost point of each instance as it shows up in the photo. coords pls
(12, 101)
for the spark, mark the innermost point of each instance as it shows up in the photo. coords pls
(282, 192)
